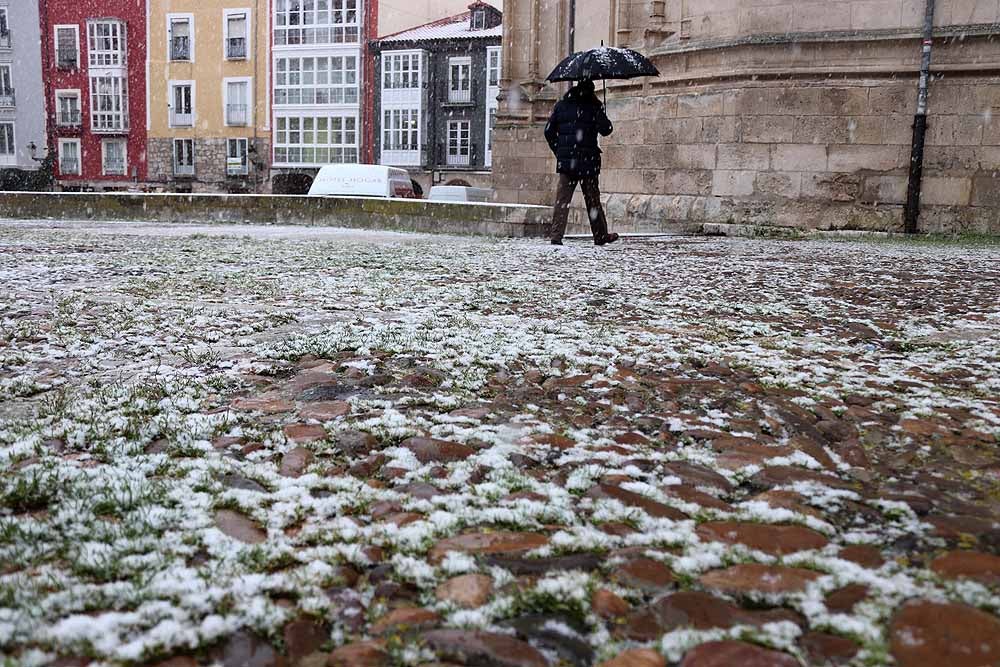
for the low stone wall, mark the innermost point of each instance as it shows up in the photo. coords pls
(382, 214)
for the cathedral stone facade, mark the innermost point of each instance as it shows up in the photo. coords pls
(768, 112)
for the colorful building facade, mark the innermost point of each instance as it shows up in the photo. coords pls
(22, 128)
(209, 126)
(94, 70)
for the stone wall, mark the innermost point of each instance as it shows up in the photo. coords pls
(381, 214)
(209, 167)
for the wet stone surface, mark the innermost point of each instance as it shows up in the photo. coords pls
(243, 446)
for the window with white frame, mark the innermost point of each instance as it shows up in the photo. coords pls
(237, 35)
(108, 103)
(459, 143)
(401, 130)
(316, 139)
(68, 108)
(113, 158)
(316, 80)
(401, 71)
(4, 29)
(183, 157)
(459, 80)
(180, 37)
(69, 156)
(237, 102)
(316, 22)
(8, 149)
(6, 86)
(181, 104)
(479, 20)
(493, 67)
(67, 46)
(106, 43)
(237, 157)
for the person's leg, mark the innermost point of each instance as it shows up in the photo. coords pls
(560, 214)
(595, 210)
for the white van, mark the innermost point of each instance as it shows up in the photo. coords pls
(362, 180)
(459, 193)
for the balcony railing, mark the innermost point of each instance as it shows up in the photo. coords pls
(458, 160)
(108, 122)
(183, 169)
(69, 118)
(67, 59)
(5, 39)
(180, 48)
(182, 119)
(7, 98)
(69, 165)
(454, 156)
(460, 96)
(114, 167)
(236, 114)
(237, 167)
(236, 48)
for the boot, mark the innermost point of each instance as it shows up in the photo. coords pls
(606, 239)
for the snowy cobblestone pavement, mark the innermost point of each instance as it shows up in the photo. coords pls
(256, 446)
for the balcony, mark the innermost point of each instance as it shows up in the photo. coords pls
(108, 123)
(5, 39)
(7, 97)
(458, 160)
(181, 119)
(114, 167)
(237, 114)
(236, 48)
(70, 118)
(67, 59)
(460, 96)
(180, 48)
(184, 170)
(69, 165)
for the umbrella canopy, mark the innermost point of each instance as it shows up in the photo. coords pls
(606, 62)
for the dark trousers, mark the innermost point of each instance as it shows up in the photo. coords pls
(591, 195)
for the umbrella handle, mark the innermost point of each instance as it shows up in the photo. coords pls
(605, 82)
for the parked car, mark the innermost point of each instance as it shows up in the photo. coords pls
(362, 180)
(459, 193)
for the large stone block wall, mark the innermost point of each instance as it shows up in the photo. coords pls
(794, 153)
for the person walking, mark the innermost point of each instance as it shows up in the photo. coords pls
(572, 134)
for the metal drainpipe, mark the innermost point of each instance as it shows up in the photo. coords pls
(572, 26)
(912, 210)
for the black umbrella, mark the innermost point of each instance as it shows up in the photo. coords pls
(606, 62)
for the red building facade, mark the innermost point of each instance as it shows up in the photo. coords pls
(94, 67)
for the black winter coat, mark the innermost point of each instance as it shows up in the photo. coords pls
(572, 132)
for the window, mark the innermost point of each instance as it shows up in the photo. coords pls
(401, 71)
(67, 46)
(69, 156)
(493, 67)
(459, 144)
(236, 35)
(106, 43)
(4, 29)
(183, 157)
(316, 22)
(68, 108)
(237, 102)
(316, 80)
(180, 34)
(316, 139)
(6, 86)
(108, 103)
(479, 20)
(182, 104)
(400, 130)
(237, 152)
(113, 162)
(460, 80)
(8, 149)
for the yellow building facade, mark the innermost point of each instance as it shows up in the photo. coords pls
(209, 127)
